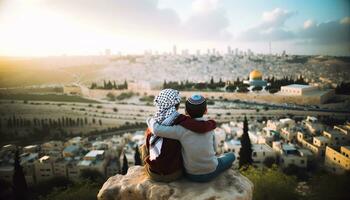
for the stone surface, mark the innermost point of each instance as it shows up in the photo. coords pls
(136, 186)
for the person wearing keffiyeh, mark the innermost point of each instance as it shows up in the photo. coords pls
(162, 156)
(166, 103)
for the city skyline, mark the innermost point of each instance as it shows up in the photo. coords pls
(51, 28)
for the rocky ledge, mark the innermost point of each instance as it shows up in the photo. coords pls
(136, 186)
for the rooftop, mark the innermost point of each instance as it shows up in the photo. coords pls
(261, 148)
(95, 153)
(298, 86)
(71, 148)
(288, 147)
(346, 147)
(322, 138)
(44, 158)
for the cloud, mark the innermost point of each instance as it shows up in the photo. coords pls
(276, 17)
(309, 23)
(270, 28)
(331, 32)
(204, 5)
(207, 20)
(120, 15)
(210, 24)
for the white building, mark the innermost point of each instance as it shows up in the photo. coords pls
(297, 89)
(290, 155)
(94, 160)
(260, 153)
(44, 168)
(27, 163)
(305, 93)
(52, 149)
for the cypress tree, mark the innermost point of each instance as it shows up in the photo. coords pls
(137, 156)
(125, 84)
(245, 153)
(125, 165)
(20, 189)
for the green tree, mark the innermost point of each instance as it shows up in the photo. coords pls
(231, 88)
(125, 166)
(245, 152)
(125, 84)
(137, 156)
(257, 88)
(20, 188)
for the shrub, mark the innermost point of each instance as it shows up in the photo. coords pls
(84, 190)
(125, 95)
(110, 96)
(269, 161)
(271, 184)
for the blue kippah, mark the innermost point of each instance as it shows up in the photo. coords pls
(196, 99)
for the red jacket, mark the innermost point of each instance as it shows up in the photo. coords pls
(170, 159)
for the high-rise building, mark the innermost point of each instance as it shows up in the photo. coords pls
(174, 50)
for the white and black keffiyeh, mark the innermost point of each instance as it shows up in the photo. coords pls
(165, 115)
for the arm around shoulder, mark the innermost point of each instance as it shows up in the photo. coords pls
(172, 132)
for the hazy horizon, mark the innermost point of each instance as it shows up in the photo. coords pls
(40, 28)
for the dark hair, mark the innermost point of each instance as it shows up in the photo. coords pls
(177, 106)
(196, 111)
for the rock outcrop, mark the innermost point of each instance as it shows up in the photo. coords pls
(136, 186)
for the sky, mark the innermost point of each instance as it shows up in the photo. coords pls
(88, 27)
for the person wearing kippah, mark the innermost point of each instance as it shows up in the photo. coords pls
(198, 150)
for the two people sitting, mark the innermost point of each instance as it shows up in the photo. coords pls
(178, 144)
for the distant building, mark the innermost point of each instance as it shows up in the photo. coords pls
(94, 160)
(260, 153)
(297, 89)
(30, 149)
(70, 151)
(255, 79)
(44, 168)
(337, 161)
(314, 94)
(290, 155)
(27, 163)
(60, 167)
(308, 142)
(52, 149)
(174, 50)
(313, 125)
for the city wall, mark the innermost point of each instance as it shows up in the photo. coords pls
(262, 97)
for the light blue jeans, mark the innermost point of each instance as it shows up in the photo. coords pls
(224, 162)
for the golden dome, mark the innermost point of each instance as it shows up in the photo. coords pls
(255, 75)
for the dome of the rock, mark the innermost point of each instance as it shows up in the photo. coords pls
(255, 75)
